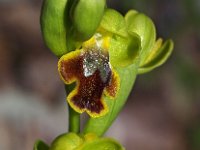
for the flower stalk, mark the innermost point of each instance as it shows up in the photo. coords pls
(74, 121)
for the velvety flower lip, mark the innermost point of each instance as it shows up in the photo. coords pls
(90, 68)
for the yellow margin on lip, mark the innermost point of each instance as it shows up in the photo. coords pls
(102, 112)
(71, 95)
(79, 110)
(67, 57)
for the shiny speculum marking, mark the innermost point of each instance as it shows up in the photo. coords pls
(93, 74)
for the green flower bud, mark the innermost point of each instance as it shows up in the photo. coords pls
(68, 141)
(54, 25)
(86, 16)
(144, 27)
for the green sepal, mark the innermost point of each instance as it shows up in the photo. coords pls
(114, 22)
(127, 78)
(67, 141)
(124, 47)
(123, 51)
(157, 57)
(86, 16)
(144, 27)
(55, 26)
(40, 145)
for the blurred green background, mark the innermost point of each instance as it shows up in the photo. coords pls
(163, 110)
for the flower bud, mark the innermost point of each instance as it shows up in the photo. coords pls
(68, 141)
(86, 16)
(55, 26)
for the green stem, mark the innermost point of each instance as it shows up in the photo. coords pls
(74, 117)
(74, 121)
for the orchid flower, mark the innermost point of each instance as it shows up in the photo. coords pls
(100, 55)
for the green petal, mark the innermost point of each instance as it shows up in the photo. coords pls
(144, 27)
(155, 50)
(114, 22)
(100, 125)
(40, 145)
(124, 51)
(157, 57)
(86, 16)
(101, 144)
(68, 141)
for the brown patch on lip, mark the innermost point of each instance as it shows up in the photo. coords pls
(87, 96)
